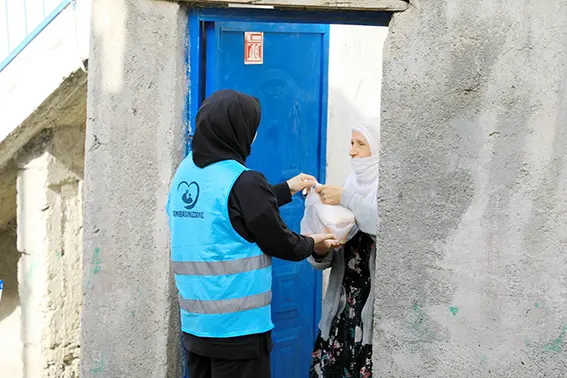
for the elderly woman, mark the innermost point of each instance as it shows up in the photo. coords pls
(343, 347)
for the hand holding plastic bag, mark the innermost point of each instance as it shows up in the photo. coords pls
(326, 219)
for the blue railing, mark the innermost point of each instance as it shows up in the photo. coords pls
(21, 21)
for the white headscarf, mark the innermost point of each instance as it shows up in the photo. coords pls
(364, 178)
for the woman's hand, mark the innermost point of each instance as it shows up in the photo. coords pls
(300, 182)
(330, 195)
(324, 243)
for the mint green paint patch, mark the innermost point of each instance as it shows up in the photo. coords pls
(556, 345)
(483, 358)
(98, 367)
(32, 268)
(421, 326)
(58, 255)
(419, 316)
(537, 305)
(526, 341)
(454, 310)
(95, 266)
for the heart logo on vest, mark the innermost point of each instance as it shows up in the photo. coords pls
(190, 194)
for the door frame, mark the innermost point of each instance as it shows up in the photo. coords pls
(196, 62)
(195, 55)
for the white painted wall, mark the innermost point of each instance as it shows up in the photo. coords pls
(355, 76)
(48, 325)
(49, 224)
(11, 346)
(41, 67)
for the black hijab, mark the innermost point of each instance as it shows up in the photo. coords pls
(226, 125)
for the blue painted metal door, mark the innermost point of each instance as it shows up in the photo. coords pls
(291, 85)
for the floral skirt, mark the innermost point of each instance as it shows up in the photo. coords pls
(344, 355)
(334, 359)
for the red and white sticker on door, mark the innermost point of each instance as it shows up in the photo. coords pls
(253, 48)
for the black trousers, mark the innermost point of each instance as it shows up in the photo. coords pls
(235, 357)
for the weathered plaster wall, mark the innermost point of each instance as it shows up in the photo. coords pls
(49, 222)
(135, 130)
(472, 243)
(10, 311)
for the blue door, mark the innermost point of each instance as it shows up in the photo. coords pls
(291, 84)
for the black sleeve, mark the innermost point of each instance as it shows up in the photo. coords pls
(254, 214)
(317, 258)
(283, 193)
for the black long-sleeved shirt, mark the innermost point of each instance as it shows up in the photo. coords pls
(226, 125)
(253, 210)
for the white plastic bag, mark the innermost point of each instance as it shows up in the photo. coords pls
(322, 219)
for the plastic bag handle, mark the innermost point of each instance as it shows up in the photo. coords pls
(304, 192)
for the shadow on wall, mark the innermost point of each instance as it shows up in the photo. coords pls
(70, 158)
(9, 257)
(60, 142)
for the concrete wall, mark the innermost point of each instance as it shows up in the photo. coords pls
(42, 116)
(10, 311)
(135, 134)
(472, 243)
(40, 256)
(49, 223)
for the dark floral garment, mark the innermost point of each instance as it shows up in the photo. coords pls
(343, 355)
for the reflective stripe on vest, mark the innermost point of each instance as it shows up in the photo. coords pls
(226, 306)
(219, 268)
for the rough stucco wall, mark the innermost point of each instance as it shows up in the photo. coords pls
(49, 223)
(473, 192)
(134, 142)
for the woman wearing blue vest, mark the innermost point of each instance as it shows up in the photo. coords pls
(225, 228)
(344, 345)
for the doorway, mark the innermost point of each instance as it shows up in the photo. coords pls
(289, 75)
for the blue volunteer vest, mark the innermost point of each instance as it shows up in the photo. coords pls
(224, 282)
